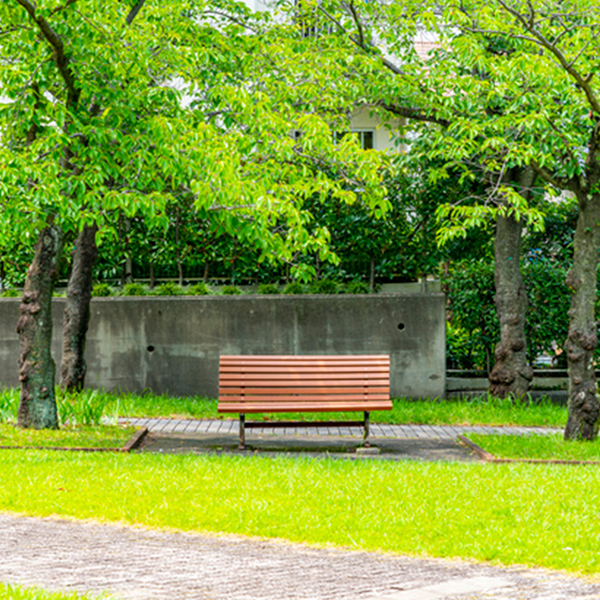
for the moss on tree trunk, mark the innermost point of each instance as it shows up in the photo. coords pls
(37, 408)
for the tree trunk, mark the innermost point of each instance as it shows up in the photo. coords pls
(511, 373)
(37, 408)
(77, 310)
(582, 338)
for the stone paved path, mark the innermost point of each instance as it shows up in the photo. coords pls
(137, 564)
(230, 426)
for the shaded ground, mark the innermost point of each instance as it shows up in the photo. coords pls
(316, 446)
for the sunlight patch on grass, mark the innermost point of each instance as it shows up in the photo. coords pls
(90, 436)
(508, 514)
(549, 447)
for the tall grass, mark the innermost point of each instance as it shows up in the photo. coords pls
(507, 514)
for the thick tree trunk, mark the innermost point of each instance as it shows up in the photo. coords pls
(511, 374)
(582, 338)
(77, 310)
(37, 408)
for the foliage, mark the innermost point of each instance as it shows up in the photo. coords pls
(268, 288)
(170, 288)
(473, 331)
(102, 289)
(134, 289)
(230, 290)
(470, 289)
(325, 286)
(11, 293)
(294, 287)
(199, 289)
(357, 287)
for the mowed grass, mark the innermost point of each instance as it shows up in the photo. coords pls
(15, 592)
(547, 447)
(507, 514)
(89, 436)
(479, 411)
(476, 411)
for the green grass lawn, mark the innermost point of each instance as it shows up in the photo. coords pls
(15, 592)
(90, 436)
(478, 411)
(537, 446)
(481, 411)
(507, 514)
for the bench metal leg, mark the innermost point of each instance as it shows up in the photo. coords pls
(366, 442)
(242, 445)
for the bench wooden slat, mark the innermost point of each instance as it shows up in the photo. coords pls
(306, 407)
(306, 360)
(225, 399)
(286, 369)
(289, 391)
(306, 380)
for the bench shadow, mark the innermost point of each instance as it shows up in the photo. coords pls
(308, 446)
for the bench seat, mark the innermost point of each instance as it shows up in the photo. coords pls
(269, 384)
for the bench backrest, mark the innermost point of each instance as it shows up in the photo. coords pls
(252, 384)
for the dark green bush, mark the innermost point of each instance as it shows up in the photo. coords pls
(12, 293)
(357, 287)
(170, 288)
(102, 290)
(134, 289)
(295, 287)
(325, 286)
(198, 289)
(268, 288)
(231, 290)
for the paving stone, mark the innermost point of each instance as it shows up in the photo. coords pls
(139, 564)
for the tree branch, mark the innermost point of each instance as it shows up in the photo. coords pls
(60, 56)
(135, 9)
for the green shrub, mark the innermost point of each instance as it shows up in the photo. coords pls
(231, 290)
(295, 287)
(102, 290)
(199, 289)
(357, 287)
(170, 288)
(325, 286)
(12, 293)
(134, 289)
(268, 288)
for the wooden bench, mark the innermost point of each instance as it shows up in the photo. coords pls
(269, 384)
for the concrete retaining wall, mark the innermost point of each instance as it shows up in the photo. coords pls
(173, 344)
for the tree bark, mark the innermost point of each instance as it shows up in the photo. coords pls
(37, 408)
(77, 310)
(582, 339)
(511, 374)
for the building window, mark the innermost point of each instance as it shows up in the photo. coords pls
(366, 137)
